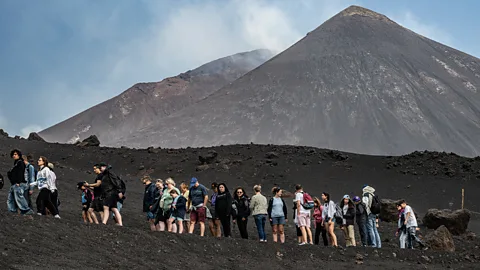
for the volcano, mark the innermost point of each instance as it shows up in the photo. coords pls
(144, 103)
(359, 83)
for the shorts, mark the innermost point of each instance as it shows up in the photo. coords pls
(111, 200)
(212, 213)
(277, 221)
(85, 207)
(176, 218)
(150, 215)
(198, 214)
(97, 205)
(304, 220)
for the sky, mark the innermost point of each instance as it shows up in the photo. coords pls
(58, 58)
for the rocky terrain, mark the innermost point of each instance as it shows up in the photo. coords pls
(68, 243)
(359, 83)
(145, 103)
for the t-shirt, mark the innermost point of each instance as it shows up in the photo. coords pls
(197, 195)
(277, 207)
(97, 191)
(299, 197)
(412, 220)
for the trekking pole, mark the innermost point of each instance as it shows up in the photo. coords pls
(463, 198)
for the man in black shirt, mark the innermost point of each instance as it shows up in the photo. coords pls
(17, 199)
(97, 204)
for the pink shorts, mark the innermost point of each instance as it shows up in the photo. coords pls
(303, 220)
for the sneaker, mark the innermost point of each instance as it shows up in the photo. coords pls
(303, 243)
(39, 214)
(57, 216)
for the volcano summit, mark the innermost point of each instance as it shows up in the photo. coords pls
(358, 83)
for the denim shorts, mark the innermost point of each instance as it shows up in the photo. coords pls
(278, 221)
(150, 215)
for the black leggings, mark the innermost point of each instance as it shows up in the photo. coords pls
(242, 227)
(225, 220)
(320, 229)
(44, 199)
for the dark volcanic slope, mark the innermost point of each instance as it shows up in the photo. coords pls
(144, 103)
(68, 244)
(358, 83)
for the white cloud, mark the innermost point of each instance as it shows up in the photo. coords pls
(28, 129)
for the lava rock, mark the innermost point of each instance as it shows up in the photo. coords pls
(440, 240)
(153, 150)
(90, 141)
(35, 137)
(209, 158)
(271, 155)
(3, 133)
(388, 210)
(202, 167)
(337, 155)
(455, 221)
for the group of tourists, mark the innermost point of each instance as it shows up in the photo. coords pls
(171, 209)
(179, 210)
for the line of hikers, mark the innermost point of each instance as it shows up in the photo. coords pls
(171, 209)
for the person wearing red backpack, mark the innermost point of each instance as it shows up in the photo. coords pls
(304, 205)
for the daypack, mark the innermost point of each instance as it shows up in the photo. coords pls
(375, 204)
(338, 213)
(116, 181)
(307, 201)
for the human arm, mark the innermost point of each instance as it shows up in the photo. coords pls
(285, 210)
(269, 208)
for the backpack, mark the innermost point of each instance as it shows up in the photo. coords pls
(307, 201)
(1, 181)
(338, 213)
(117, 181)
(375, 205)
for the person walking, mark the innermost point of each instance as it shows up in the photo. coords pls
(348, 210)
(45, 180)
(198, 198)
(373, 236)
(277, 213)
(17, 197)
(242, 202)
(361, 219)
(223, 208)
(319, 226)
(151, 192)
(258, 207)
(328, 216)
(303, 214)
(411, 225)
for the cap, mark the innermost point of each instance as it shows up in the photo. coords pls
(346, 197)
(356, 199)
(193, 181)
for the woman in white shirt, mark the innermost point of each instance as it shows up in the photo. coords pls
(46, 185)
(328, 217)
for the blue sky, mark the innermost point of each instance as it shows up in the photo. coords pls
(58, 58)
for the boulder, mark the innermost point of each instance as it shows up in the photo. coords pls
(208, 158)
(271, 155)
(35, 137)
(90, 141)
(3, 133)
(440, 240)
(389, 211)
(153, 150)
(455, 221)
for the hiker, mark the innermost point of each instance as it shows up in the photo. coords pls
(110, 193)
(223, 208)
(16, 195)
(159, 221)
(319, 227)
(46, 185)
(328, 216)
(87, 198)
(198, 196)
(348, 209)
(30, 177)
(411, 225)
(213, 220)
(97, 204)
(53, 188)
(242, 202)
(402, 228)
(166, 204)
(177, 210)
(277, 213)
(258, 207)
(361, 219)
(304, 205)
(151, 192)
(184, 190)
(372, 231)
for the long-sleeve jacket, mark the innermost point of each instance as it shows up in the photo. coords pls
(167, 199)
(368, 191)
(17, 173)
(45, 179)
(149, 196)
(349, 215)
(258, 205)
(361, 213)
(223, 204)
(270, 206)
(243, 207)
(180, 207)
(328, 211)
(29, 175)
